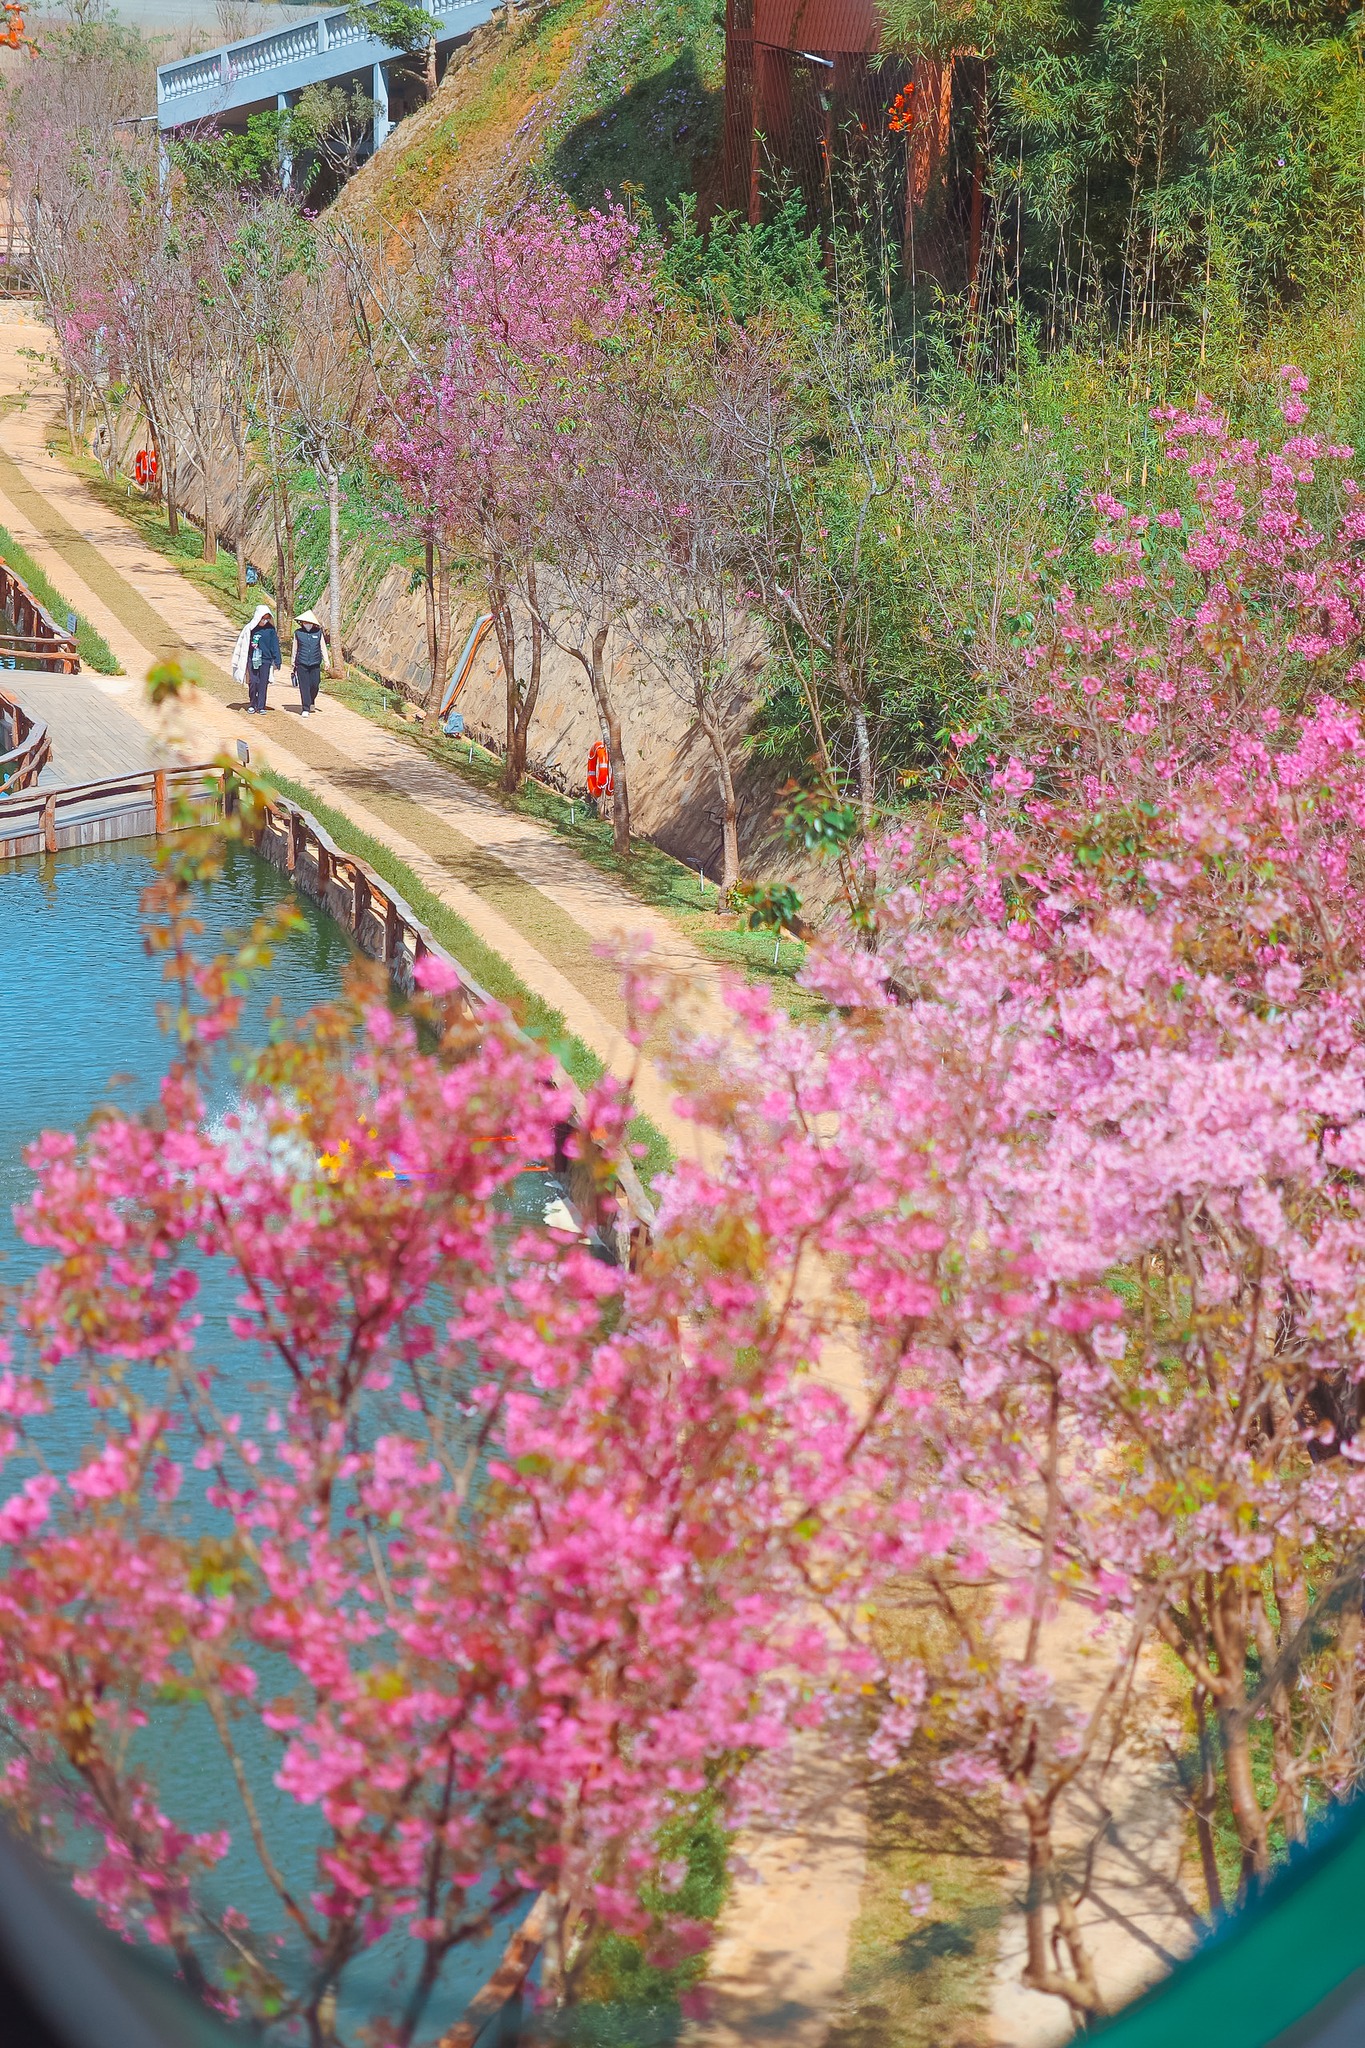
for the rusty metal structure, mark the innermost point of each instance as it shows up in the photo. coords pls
(808, 94)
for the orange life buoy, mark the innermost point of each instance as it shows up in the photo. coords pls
(599, 770)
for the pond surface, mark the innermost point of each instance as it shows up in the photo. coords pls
(79, 992)
(78, 1026)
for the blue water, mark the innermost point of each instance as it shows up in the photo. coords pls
(79, 993)
(78, 1026)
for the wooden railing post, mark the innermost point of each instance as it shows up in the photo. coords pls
(50, 825)
(159, 800)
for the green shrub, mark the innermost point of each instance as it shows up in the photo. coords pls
(92, 647)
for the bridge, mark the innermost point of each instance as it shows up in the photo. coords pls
(229, 84)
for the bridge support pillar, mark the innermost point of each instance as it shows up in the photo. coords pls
(286, 153)
(382, 123)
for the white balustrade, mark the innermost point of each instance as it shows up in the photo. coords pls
(313, 43)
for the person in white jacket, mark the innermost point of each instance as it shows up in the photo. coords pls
(310, 653)
(257, 655)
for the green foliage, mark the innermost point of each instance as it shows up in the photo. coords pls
(1147, 143)
(769, 906)
(399, 23)
(630, 1992)
(93, 648)
(639, 105)
(333, 126)
(813, 823)
(229, 162)
(733, 270)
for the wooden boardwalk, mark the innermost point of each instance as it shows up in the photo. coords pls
(93, 736)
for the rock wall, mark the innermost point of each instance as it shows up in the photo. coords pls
(674, 795)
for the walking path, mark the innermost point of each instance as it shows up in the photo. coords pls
(93, 736)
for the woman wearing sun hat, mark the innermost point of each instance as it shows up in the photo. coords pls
(310, 652)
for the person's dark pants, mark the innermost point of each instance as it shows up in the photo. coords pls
(310, 682)
(258, 681)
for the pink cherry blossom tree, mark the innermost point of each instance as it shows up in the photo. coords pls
(523, 437)
(501, 1566)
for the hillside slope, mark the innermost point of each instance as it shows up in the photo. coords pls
(589, 95)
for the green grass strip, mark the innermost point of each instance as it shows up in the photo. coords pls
(535, 1016)
(93, 648)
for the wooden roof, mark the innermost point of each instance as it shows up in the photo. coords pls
(828, 27)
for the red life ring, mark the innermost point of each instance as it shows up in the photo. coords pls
(599, 770)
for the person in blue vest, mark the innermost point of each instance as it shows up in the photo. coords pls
(310, 653)
(257, 655)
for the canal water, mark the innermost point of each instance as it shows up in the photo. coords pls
(78, 1027)
(79, 992)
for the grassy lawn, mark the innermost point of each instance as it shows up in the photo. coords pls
(93, 648)
(922, 1982)
(651, 875)
(215, 580)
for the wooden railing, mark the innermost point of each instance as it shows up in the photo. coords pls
(383, 925)
(95, 813)
(29, 636)
(26, 743)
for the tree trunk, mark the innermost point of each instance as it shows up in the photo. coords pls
(210, 531)
(286, 596)
(334, 568)
(1080, 1990)
(729, 808)
(1281, 1713)
(1205, 1806)
(505, 627)
(429, 595)
(1343, 1759)
(521, 704)
(444, 623)
(279, 550)
(429, 74)
(438, 622)
(864, 748)
(165, 459)
(1246, 1807)
(239, 518)
(611, 726)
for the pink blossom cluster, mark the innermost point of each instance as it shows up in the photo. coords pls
(1250, 599)
(509, 1567)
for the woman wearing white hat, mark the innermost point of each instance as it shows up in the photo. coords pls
(257, 655)
(310, 652)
